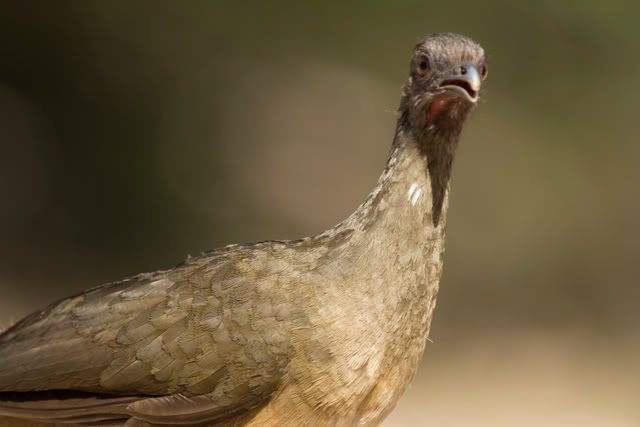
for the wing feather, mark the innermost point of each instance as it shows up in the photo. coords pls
(190, 344)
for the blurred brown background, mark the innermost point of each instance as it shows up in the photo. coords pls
(135, 133)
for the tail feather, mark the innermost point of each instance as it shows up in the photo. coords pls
(65, 407)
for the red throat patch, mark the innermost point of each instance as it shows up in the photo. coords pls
(437, 107)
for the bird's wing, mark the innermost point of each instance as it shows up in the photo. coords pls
(214, 330)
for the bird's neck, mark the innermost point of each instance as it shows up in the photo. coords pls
(410, 199)
(387, 256)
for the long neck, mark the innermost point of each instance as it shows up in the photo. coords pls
(384, 263)
(412, 192)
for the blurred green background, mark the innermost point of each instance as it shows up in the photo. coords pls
(135, 133)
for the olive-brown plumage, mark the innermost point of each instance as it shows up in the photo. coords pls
(323, 331)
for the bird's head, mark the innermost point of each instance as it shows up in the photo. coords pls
(445, 76)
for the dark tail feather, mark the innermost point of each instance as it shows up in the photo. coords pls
(66, 407)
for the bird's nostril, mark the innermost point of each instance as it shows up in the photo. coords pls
(463, 70)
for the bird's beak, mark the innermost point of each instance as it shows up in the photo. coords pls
(464, 81)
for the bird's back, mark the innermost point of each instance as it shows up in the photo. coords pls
(216, 327)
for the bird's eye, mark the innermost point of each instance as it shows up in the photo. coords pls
(484, 71)
(423, 67)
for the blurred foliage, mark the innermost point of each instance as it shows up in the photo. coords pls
(134, 133)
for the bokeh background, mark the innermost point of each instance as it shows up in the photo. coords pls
(135, 133)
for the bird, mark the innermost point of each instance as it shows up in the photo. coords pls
(327, 330)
